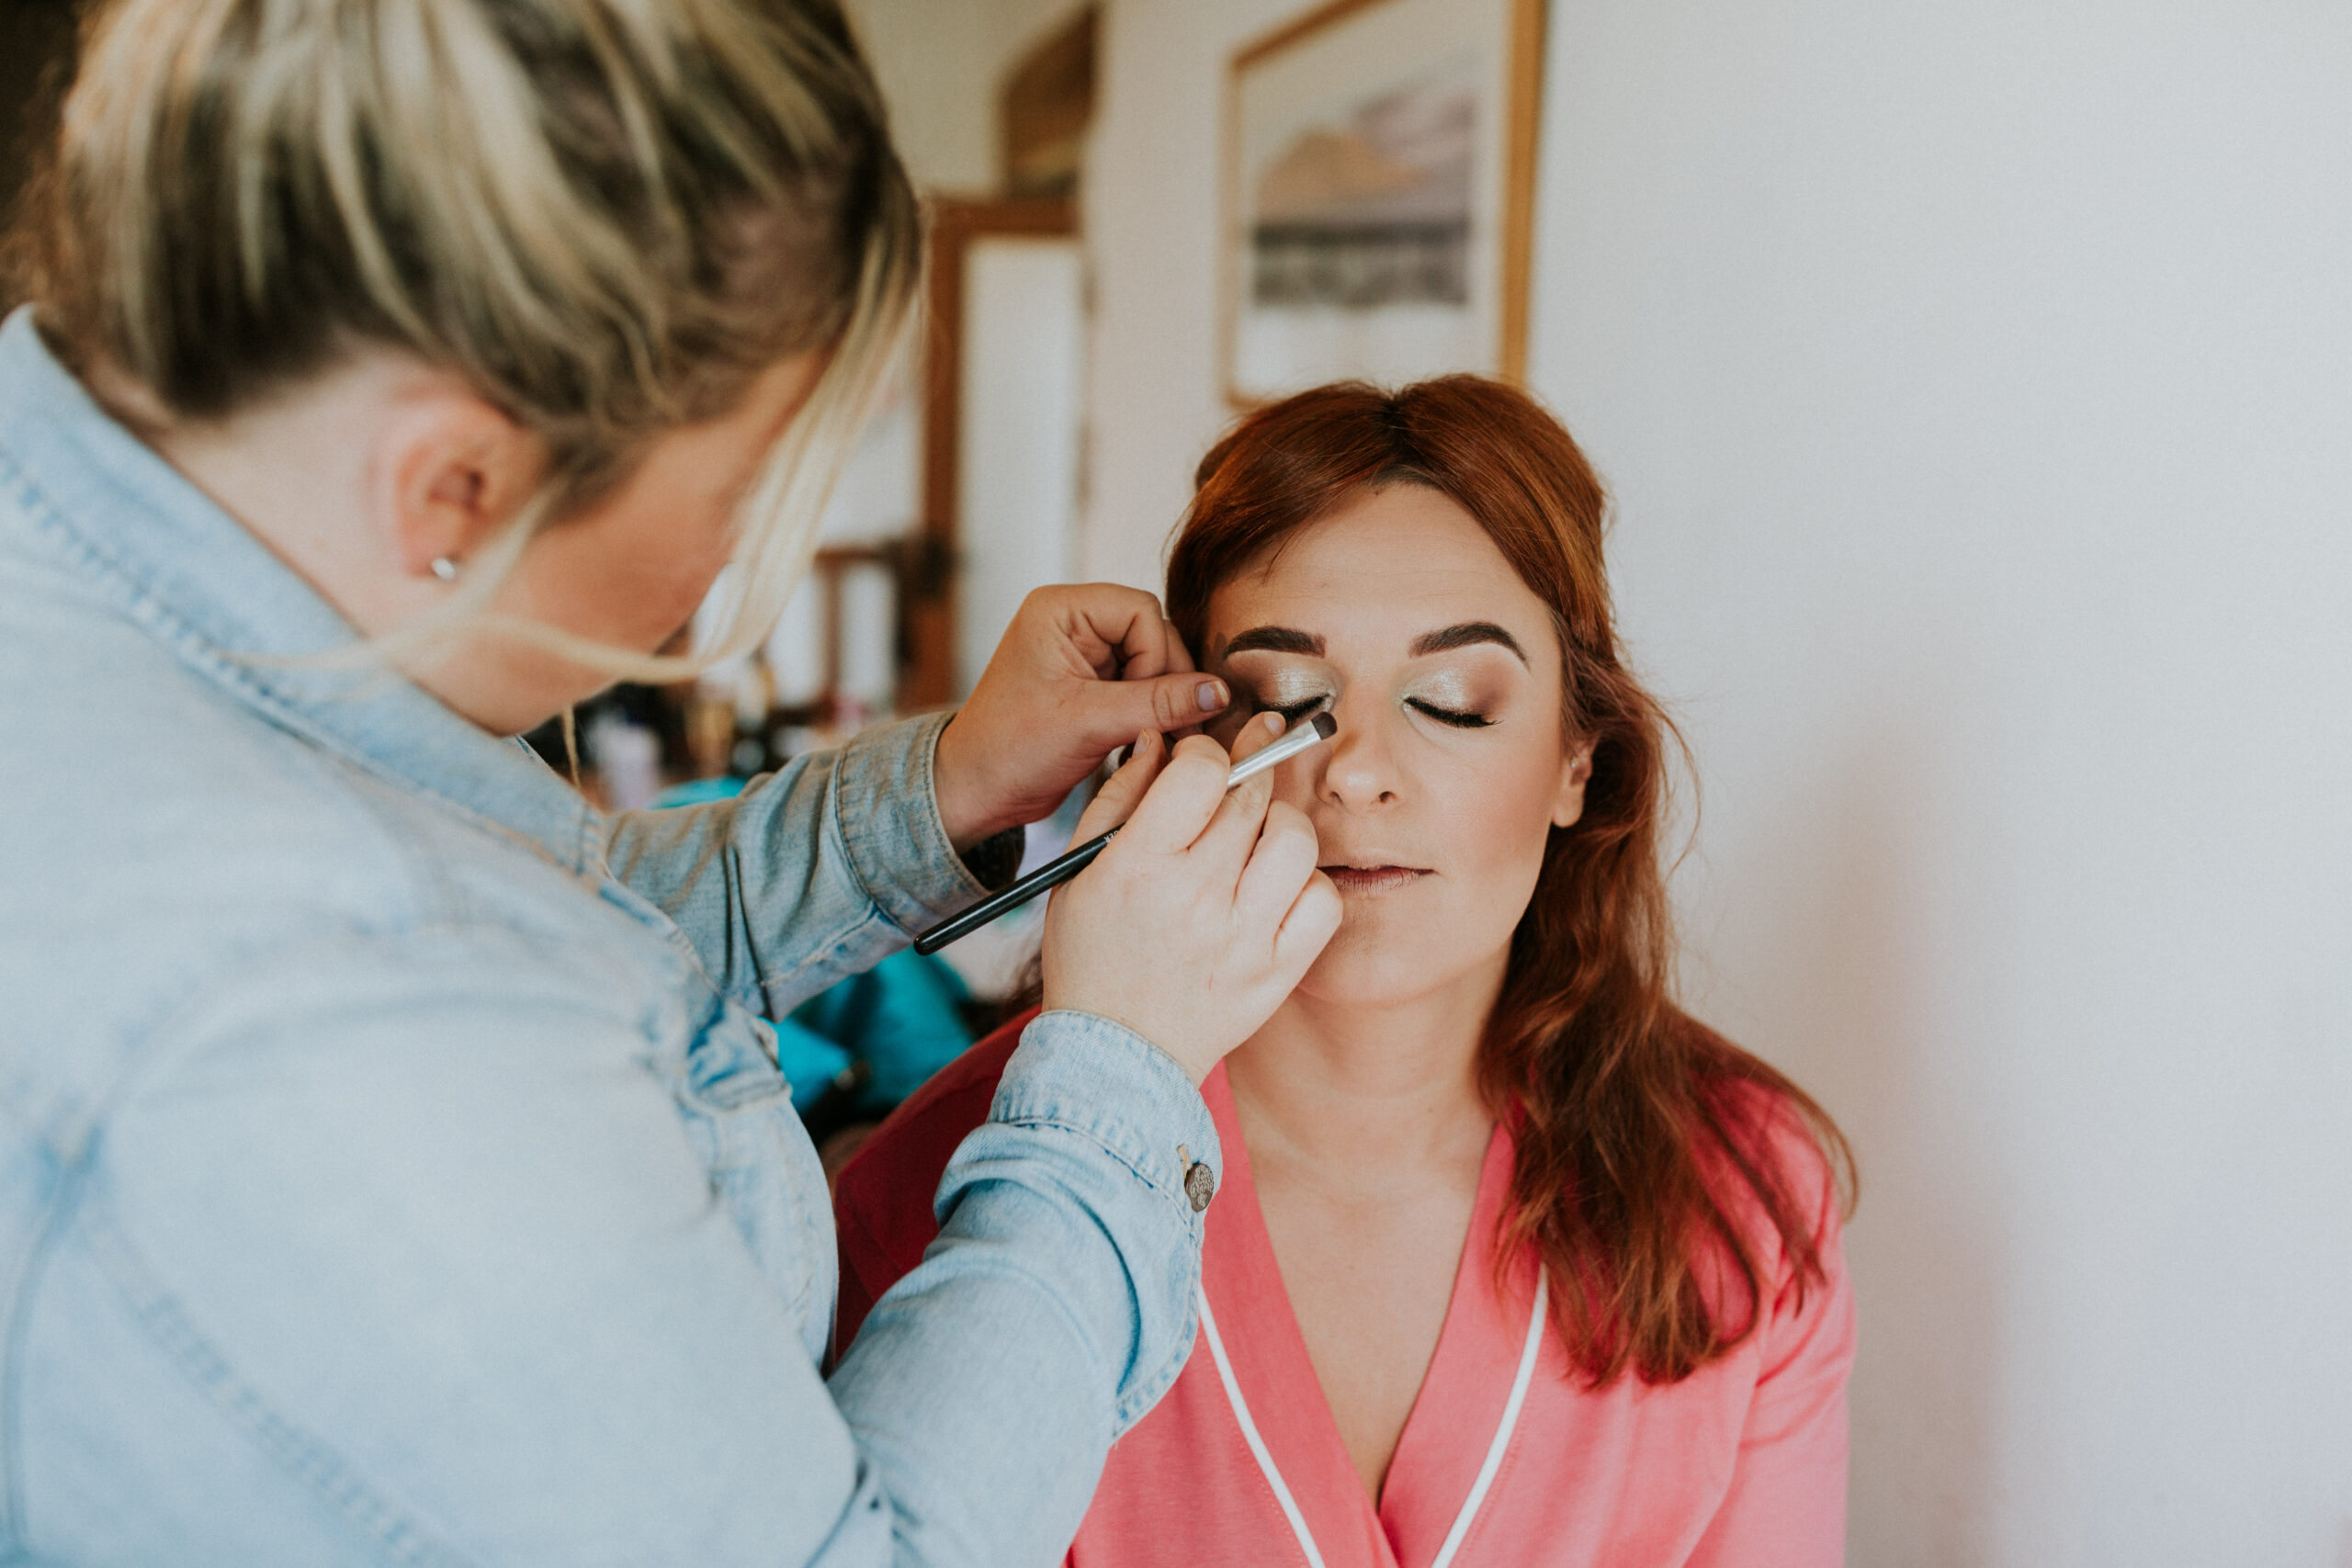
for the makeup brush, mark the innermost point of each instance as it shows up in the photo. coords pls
(1060, 869)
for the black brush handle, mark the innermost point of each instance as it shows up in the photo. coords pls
(1050, 876)
(1054, 872)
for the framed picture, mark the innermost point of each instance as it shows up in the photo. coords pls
(1379, 181)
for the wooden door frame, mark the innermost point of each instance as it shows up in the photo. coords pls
(929, 680)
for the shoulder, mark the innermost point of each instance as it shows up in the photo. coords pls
(443, 1082)
(141, 788)
(441, 1011)
(1780, 1130)
(883, 1201)
(1781, 1173)
(164, 837)
(159, 838)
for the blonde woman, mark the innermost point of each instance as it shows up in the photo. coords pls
(393, 1166)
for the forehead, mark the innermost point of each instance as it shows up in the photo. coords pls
(1386, 566)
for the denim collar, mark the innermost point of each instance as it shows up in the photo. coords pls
(191, 576)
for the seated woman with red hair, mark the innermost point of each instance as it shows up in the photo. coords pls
(1512, 1261)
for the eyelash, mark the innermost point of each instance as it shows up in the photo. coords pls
(1292, 713)
(1453, 717)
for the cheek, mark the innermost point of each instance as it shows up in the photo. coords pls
(669, 553)
(701, 550)
(1502, 835)
(631, 576)
(1492, 837)
(1486, 819)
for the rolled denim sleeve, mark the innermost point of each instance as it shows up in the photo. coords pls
(1055, 1309)
(816, 872)
(408, 1224)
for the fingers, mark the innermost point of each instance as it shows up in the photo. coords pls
(1226, 843)
(1179, 803)
(1234, 830)
(1179, 657)
(1277, 898)
(1117, 800)
(1309, 926)
(1118, 631)
(1177, 702)
(1261, 732)
(1280, 864)
(1142, 675)
(1108, 713)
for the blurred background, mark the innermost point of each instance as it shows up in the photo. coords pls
(1975, 384)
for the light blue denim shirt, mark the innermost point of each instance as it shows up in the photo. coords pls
(393, 1166)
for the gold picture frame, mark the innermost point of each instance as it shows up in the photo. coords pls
(1378, 195)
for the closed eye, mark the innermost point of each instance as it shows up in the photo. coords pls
(1295, 711)
(1453, 717)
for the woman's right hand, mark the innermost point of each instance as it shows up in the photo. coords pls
(1198, 920)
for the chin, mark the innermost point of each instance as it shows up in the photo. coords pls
(1374, 967)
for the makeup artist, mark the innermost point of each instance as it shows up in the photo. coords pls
(394, 1168)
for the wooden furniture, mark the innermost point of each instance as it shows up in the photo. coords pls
(928, 614)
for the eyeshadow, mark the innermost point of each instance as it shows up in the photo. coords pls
(1286, 688)
(1450, 689)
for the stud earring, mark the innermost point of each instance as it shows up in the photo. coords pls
(445, 569)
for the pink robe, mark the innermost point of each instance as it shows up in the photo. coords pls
(1740, 1465)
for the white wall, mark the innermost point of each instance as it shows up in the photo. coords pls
(939, 64)
(933, 60)
(1151, 236)
(1016, 517)
(1975, 383)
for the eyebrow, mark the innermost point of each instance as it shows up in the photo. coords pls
(1275, 639)
(1289, 639)
(1464, 635)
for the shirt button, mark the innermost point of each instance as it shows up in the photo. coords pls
(1200, 1182)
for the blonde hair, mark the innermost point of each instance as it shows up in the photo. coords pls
(608, 216)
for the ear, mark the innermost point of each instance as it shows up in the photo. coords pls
(1576, 771)
(448, 471)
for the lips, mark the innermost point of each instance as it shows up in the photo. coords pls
(1369, 880)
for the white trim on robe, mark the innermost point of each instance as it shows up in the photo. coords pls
(1479, 1488)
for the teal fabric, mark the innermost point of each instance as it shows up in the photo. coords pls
(809, 1062)
(903, 1018)
(701, 792)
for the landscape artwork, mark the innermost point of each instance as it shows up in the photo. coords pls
(1367, 195)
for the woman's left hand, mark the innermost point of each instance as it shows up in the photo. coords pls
(1081, 670)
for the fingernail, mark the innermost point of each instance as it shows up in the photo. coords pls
(1211, 695)
(1274, 723)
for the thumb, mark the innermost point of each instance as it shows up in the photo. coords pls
(1110, 712)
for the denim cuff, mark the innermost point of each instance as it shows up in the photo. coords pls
(1102, 1080)
(1097, 1086)
(889, 815)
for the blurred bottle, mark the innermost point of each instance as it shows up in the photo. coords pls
(628, 759)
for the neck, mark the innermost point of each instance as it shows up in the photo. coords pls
(304, 472)
(1326, 1081)
(292, 471)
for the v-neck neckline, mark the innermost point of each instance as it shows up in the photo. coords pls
(1470, 1372)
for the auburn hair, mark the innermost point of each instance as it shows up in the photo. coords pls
(1657, 1163)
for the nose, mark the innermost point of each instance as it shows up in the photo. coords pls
(1359, 765)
